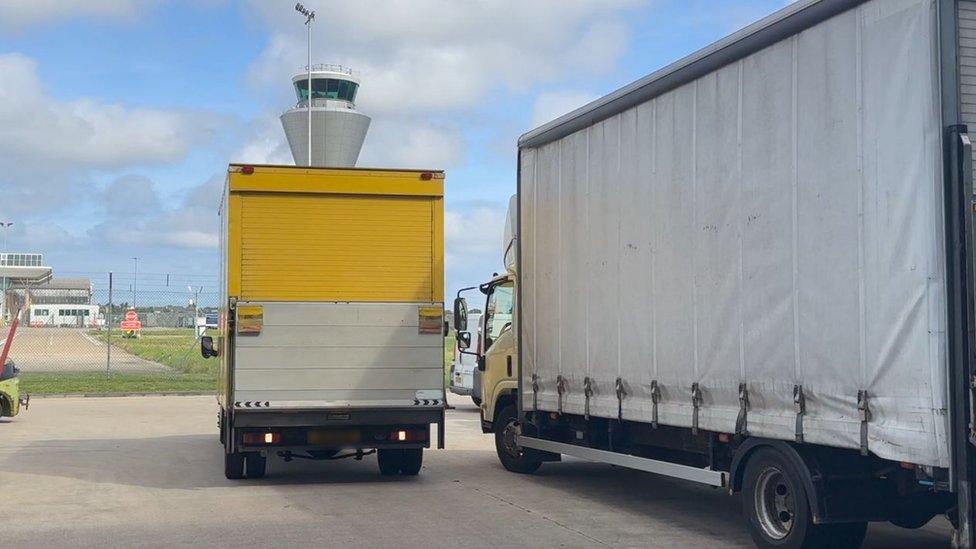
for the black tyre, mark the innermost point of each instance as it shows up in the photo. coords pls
(476, 400)
(513, 458)
(912, 521)
(220, 425)
(411, 462)
(389, 461)
(234, 465)
(778, 512)
(256, 465)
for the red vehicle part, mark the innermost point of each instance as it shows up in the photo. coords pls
(10, 339)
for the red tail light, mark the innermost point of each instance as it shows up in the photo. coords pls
(257, 439)
(408, 435)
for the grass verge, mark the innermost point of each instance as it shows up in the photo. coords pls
(176, 348)
(39, 383)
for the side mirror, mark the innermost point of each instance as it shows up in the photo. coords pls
(464, 340)
(460, 315)
(481, 363)
(207, 347)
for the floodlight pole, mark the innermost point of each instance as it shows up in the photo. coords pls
(308, 26)
(309, 17)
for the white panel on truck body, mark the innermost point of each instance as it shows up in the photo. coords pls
(325, 355)
(775, 223)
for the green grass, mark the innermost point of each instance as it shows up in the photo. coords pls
(100, 382)
(176, 348)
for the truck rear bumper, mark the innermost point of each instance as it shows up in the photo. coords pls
(365, 423)
(337, 417)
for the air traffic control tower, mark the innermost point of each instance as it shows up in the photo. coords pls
(338, 129)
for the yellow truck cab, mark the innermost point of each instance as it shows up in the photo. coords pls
(498, 358)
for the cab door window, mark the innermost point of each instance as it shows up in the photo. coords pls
(498, 312)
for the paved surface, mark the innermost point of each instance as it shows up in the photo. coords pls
(71, 350)
(147, 472)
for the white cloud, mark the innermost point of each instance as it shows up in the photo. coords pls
(549, 106)
(473, 237)
(36, 127)
(265, 144)
(411, 143)
(428, 65)
(435, 55)
(143, 220)
(130, 196)
(476, 230)
(31, 237)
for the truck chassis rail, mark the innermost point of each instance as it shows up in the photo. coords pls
(702, 476)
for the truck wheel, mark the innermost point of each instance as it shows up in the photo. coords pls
(912, 521)
(234, 465)
(476, 400)
(411, 462)
(510, 454)
(778, 511)
(256, 464)
(389, 461)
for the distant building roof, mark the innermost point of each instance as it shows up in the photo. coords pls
(60, 284)
(23, 268)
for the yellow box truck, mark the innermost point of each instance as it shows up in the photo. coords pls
(331, 334)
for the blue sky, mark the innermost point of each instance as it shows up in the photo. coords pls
(118, 117)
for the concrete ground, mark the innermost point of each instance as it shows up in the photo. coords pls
(147, 472)
(71, 350)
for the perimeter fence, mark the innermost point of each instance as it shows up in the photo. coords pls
(77, 334)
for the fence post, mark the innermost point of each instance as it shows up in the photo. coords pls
(108, 324)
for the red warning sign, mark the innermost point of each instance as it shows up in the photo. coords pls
(131, 321)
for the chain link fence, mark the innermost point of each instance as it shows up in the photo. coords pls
(80, 334)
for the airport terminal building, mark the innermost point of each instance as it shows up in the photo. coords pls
(19, 270)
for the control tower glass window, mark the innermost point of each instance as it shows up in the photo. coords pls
(327, 88)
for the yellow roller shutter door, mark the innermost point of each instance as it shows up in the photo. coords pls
(332, 247)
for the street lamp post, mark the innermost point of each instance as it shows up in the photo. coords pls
(309, 17)
(135, 278)
(3, 288)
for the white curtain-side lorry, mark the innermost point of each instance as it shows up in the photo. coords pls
(331, 339)
(753, 269)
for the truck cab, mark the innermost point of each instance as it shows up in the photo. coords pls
(499, 361)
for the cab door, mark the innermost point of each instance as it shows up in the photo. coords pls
(498, 364)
